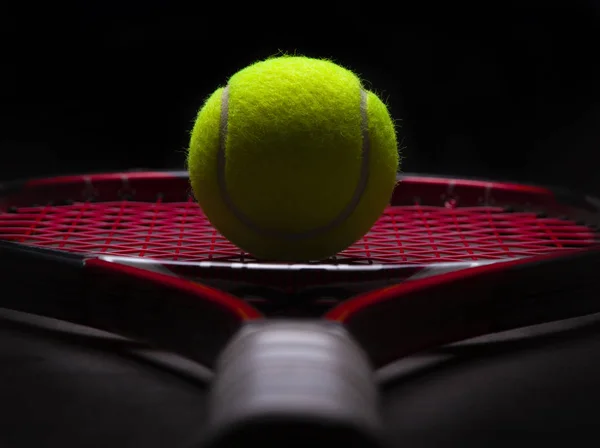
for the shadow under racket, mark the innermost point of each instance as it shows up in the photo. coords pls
(400, 382)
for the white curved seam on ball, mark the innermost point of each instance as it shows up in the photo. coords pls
(344, 214)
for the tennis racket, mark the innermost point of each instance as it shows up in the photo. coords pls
(294, 346)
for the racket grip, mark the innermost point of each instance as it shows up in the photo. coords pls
(288, 384)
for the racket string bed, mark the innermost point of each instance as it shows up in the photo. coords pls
(178, 231)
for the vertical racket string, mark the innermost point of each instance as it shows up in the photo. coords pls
(423, 218)
(150, 228)
(533, 233)
(213, 242)
(541, 224)
(365, 245)
(397, 234)
(494, 229)
(461, 235)
(35, 224)
(113, 228)
(73, 224)
(186, 210)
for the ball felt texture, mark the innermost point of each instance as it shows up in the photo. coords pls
(293, 159)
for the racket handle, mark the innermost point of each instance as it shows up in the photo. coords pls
(289, 384)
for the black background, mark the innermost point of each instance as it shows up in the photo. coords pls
(509, 91)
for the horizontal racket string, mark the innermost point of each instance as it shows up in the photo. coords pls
(178, 231)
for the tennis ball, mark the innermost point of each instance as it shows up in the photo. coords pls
(293, 160)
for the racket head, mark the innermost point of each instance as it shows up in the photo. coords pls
(92, 241)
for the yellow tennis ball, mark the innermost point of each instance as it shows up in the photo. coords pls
(293, 159)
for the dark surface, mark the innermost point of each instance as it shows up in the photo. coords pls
(88, 389)
(507, 91)
(70, 387)
(507, 390)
